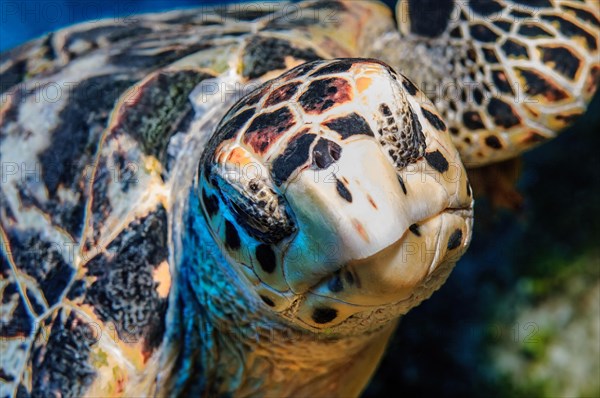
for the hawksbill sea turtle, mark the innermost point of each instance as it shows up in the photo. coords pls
(243, 200)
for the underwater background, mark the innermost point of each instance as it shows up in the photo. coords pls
(520, 314)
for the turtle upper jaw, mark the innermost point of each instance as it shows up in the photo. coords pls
(414, 264)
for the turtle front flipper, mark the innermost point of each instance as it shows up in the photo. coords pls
(506, 75)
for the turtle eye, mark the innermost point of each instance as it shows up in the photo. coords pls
(246, 189)
(256, 207)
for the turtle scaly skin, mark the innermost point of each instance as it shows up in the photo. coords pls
(233, 203)
(509, 75)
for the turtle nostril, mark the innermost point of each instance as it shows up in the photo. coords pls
(325, 153)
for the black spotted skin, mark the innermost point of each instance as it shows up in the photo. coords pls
(282, 94)
(233, 125)
(409, 86)
(324, 315)
(343, 191)
(348, 126)
(539, 86)
(455, 239)
(266, 223)
(570, 62)
(429, 18)
(211, 203)
(414, 228)
(434, 119)
(323, 94)
(266, 129)
(573, 30)
(333, 68)
(493, 142)
(266, 258)
(410, 148)
(267, 301)
(293, 157)
(232, 237)
(502, 113)
(437, 160)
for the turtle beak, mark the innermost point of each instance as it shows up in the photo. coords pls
(389, 229)
(387, 239)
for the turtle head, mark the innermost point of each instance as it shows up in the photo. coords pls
(337, 194)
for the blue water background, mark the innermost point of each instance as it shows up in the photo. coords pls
(25, 20)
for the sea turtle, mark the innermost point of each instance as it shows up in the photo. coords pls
(242, 200)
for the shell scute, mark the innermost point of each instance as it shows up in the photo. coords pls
(123, 290)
